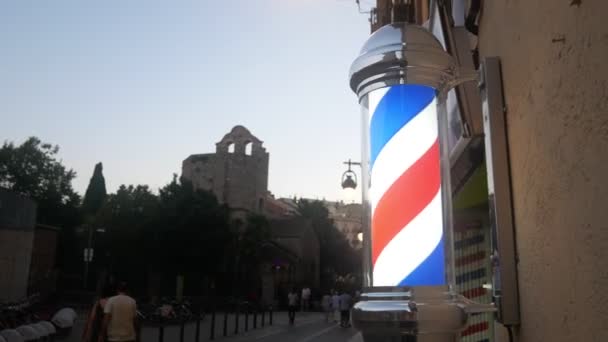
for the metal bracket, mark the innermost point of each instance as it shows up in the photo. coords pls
(505, 287)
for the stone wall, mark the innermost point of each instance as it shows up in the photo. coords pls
(200, 170)
(556, 91)
(237, 172)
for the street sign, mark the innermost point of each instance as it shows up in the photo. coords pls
(88, 254)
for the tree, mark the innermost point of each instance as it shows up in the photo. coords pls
(338, 258)
(249, 253)
(95, 195)
(33, 170)
(195, 231)
(130, 217)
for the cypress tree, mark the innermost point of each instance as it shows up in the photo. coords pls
(96, 194)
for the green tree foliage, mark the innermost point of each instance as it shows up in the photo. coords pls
(32, 169)
(338, 259)
(129, 217)
(249, 252)
(95, 196)
(180, 231)
(253, 239)
(195, 230)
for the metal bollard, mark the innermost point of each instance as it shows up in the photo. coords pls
(255, 319)
(161, 332)
(270, 315)
(212, 330)
(236, 320)
(181, 330)
(225, 323)
(246, 319)
(263, 316)
(197, 334)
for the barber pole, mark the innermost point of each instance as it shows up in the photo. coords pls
(401, 78)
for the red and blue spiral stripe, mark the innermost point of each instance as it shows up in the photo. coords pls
(405, 190)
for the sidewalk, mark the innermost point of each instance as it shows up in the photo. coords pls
(303, 319)
(171, 333)
(280, 321)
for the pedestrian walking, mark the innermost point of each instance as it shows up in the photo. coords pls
(345, 305)
(292, 305)
(326, 305)
(93, 327)
(305, 299)
(335, 305)
(120, 315)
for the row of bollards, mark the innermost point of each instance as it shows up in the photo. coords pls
(212, 334)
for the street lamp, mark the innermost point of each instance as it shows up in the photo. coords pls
(349, 177)
(401, 78)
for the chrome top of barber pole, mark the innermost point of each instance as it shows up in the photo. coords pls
(401, 53)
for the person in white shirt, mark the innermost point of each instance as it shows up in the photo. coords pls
(292, 305)
(326, 305)
(305, 299)
(120, 314)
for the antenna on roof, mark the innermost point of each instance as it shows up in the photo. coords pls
(359, 8)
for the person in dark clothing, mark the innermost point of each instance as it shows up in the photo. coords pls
(92, 328)
(292, 305)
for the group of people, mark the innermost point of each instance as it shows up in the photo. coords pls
(336, 304)
(113, 317)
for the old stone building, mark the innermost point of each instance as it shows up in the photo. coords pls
(347, 219)
(237, 173)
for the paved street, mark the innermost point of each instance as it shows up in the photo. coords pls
(309, 327)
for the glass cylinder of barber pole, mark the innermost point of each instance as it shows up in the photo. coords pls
(401, 77)
(408, 212)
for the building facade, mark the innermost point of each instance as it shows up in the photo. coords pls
(237, 173)
(555, 89)
(348, 220)
(555, 82)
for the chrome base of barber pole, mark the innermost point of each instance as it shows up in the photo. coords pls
(421, 314)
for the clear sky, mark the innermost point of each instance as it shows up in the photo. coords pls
(141, 84)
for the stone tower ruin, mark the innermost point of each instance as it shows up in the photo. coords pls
(237, 173)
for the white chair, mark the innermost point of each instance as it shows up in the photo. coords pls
(49, 327)
(64, 318)
(28, 333)
(40, 329)
(11, 335)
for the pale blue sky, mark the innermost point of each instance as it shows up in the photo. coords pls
(140, 85)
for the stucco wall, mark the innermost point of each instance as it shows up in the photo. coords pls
(17, 218)
(555, 68)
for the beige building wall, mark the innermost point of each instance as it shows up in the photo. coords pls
(15, 257)
(17, 219)
(555, 68)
